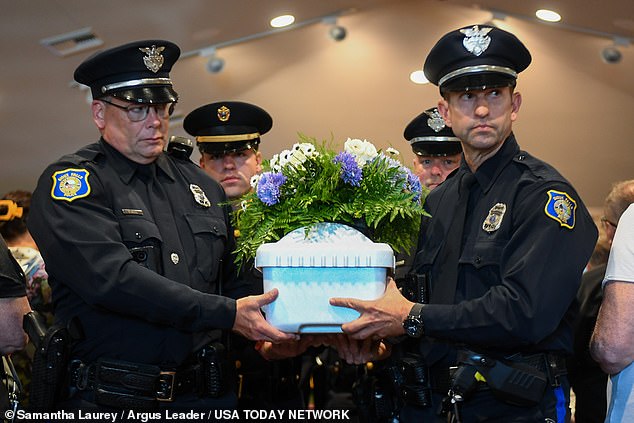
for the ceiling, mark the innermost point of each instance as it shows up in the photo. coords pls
(356, 88)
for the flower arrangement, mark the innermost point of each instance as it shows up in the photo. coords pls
(360, 186)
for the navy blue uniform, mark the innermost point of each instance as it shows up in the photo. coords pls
(128, 309)
(521, 261)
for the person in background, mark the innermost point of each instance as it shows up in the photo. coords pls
(138, 247)
(436, 147)
(502, 254)
(587, 379)
(22, 246)
(612, 342)
(228, 135)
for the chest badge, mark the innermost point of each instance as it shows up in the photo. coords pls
(199, 195)
(561, 207)
(494, 219)
(70, 184)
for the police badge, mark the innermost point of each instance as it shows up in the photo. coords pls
(561, 207)
(70, 184)
(435, 121)
(154, 60)
(494, 219)
(224, 113)
(199, 195)
(476, 40)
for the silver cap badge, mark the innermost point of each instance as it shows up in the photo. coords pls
(435, 121)
(199, 195)
(476, 40)
(154, 59)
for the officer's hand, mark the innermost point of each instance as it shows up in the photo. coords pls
(354, 351)
(271, 351)
(250, 322)
(381, 318)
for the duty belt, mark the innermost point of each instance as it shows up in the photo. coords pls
(137, 386)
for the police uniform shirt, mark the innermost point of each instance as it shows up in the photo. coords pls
(521, 263)
(128, 311)
(12, 283)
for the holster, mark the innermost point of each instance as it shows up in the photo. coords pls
(415, 287)
(519, 380)
(50, 362)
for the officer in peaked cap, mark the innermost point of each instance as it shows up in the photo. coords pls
(436, 147)
(499, 309)
(137, 243)
(137, 72)
(476, 57)
(228, 134)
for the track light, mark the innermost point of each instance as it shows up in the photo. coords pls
(215, 64)
(336, 32)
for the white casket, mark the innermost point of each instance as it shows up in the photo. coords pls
(309, 267)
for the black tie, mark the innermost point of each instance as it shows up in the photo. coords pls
(172, 255)
(444, 287)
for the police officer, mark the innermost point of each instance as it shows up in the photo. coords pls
(436, 147)
(502, 290)
(138, 247)
(228, 135)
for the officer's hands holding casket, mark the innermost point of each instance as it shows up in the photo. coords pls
(250, 322)
(381, 318)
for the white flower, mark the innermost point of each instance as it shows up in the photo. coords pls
(392, 151)
(254, 181)
(362, 150)
(243, 205)
(306, 148)
(275, 163)
(285, 157)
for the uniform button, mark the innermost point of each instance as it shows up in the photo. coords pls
(521, 157)
(174, 258)
(478, 260)
(138, 235)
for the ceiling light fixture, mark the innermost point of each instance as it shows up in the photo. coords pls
(282, 21)
(216, 64)
(336, 32)
(418, 77)
(548, 15)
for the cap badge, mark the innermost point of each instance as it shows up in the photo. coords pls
(561, 207)
(223, 114)
(154, 60)
(435, 121)
(476, 40)
(70, 184)
(494, 219)
(199, 195)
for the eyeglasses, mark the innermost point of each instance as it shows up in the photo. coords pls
(606, 221)
(138, 112)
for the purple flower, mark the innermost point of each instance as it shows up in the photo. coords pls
(413, 184)
(268, 189)
(350, 171)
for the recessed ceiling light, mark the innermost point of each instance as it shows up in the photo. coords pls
(548, 15)
(418, 77)
(282, 21)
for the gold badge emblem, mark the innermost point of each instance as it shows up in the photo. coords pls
(224, 113)
(199, 195)
(154, 59)
(494, 219)
(476, 40)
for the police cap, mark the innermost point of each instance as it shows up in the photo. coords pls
(227, 126)
(476, 57)
(429, 135)
(137, 72)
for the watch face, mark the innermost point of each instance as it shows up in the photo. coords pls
(413, 327)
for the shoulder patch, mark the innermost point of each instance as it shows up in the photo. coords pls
(561, 207)
(70, 184)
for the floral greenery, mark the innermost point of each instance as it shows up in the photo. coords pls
(360, 186)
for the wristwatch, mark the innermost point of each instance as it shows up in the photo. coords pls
(413, 324)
